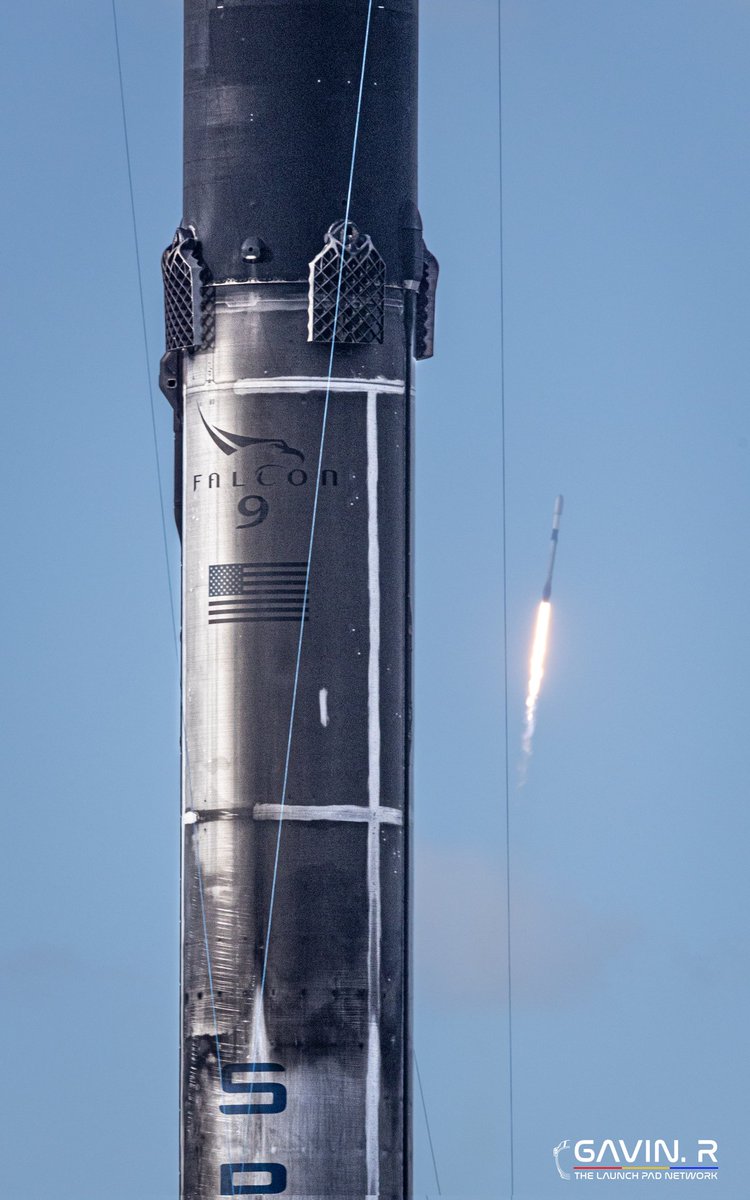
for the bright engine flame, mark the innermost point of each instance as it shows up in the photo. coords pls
(536, 672)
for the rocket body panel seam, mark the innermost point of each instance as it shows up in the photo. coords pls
(306, 383)
(372, 1099)
(329, 812)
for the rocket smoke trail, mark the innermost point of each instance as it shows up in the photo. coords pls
(539, 646)
(536, 673)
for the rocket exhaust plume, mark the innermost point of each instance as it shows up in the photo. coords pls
(539, 646)
(536, 673)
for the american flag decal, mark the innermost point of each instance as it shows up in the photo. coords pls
(239, 592)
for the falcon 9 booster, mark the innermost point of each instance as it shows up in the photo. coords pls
(556, 515)
(298, 292)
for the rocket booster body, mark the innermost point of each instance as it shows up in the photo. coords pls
(556, 515)
(293, 493)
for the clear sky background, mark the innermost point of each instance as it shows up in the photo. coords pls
(627, 311)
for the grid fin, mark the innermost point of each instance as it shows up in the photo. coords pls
(183, 271)
(361, 304)
(424, 342)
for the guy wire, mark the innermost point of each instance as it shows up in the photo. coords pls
(147, 352)
(146, 349)
(509, 930)
(264, 971)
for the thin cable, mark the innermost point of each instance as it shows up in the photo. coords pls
(427, 1123)
(509, 930)
(324, 423)
(147, 353)
(146, 349)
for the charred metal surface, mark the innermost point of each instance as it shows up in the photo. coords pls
(301, 1085)
(270, 105)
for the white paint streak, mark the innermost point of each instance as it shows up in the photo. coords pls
(323, 699)
(306, 383)
(372, 1106)
(298, 383)
(260, 1051)
(328, 812)
(372, 1099)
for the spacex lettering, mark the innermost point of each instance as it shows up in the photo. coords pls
(274, 1103)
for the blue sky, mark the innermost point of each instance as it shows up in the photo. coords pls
(627, 307)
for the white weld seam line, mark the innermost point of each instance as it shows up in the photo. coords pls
(295, 688)
(298, 383)
(306, 384)
(372, 1097)
(329, 812)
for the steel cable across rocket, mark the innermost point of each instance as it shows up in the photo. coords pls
(298, 293)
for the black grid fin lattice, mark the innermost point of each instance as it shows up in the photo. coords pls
(424, 341)
(361, 304)
(183, 273)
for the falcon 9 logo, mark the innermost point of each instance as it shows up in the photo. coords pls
(230, 443)
(254, 507)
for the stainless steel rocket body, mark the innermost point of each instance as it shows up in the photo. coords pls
(295, 613)
(334, 1012)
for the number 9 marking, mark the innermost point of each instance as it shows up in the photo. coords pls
(255, 507)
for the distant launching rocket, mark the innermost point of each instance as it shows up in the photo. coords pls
(291, 337)
(539, 645)
(556, 515)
